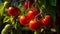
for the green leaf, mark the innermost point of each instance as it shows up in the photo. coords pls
(42, 1)
(15, 26)
(51, 10)
(23, 10)
(36, 32)
(26, 28)
(11, 18)
(1, 9)
(5, 12)
(52, 2)
(1, 5)
(6, 19)
(7, 3)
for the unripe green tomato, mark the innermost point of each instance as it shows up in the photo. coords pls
(7, 26)
(6, 29)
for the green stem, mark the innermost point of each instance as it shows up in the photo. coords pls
(36, 32)
(11, 32)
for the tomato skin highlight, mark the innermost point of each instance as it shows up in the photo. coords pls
(13, 11)
(34, 25)
(47, 21)
(24, 20)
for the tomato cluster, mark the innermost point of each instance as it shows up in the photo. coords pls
(35, 24)
(30, 20)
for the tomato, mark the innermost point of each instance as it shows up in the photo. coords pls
(6, 29)
(36, 11)
(13, 11)
(47, 21)
(32, 13)
(26, 4)
(24, 20)
(34, 25)
(8, 26)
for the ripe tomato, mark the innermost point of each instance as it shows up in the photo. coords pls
(32, 13)
(26, 4)
(36, 11)
(34, 25)
(13, 11)
(24, 20)
(47, 21)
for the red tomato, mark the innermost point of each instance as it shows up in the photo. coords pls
(34, 25)
(32, 13)
(26, 4)
(47, 21)
(36, 11)
(13, 11)
(24, 20)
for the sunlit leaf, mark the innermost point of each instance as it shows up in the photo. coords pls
(23, 10)
(6, 19)
(1, 9)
